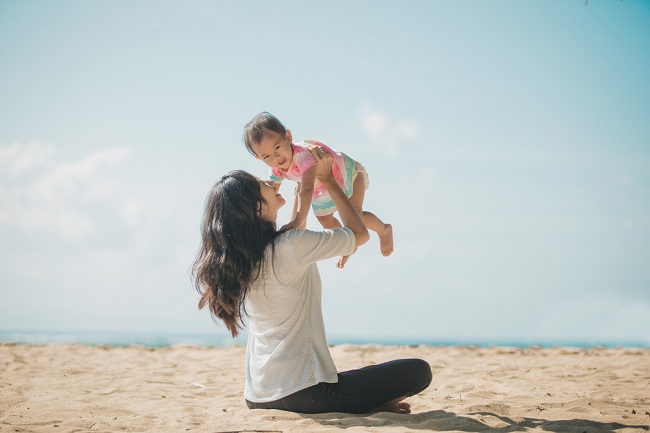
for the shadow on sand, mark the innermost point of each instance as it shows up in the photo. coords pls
(439, 420)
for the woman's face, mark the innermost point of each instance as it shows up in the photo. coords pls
(274, 201)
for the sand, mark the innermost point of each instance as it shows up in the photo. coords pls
(69, 388)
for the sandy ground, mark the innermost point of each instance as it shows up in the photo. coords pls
(69, 388)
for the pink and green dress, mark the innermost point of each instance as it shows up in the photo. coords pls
(344, 170)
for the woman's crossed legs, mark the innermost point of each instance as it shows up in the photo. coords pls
(376, 387)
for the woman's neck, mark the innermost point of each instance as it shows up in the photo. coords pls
(272, 219)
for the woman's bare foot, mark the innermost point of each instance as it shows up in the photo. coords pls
(386, 240)
(395, 407)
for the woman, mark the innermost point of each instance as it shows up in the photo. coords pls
(245, 266)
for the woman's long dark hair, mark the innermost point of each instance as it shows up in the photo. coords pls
(233, 240)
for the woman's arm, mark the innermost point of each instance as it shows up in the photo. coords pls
(296, 205)
(306, 191)
(302, 202)
(349, 215)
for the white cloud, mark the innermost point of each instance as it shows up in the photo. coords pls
(146, 220)
(39, 194)
(132, 211)
(373, 122)
(19, 158)
(385, 132)
(408, 129)
(68, 179)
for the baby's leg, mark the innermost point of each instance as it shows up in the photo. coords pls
(372, 221)
(328, 221)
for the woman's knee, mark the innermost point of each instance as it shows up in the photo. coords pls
(407, 376)
(420, 372)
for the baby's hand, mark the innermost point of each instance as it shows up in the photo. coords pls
(295, 224)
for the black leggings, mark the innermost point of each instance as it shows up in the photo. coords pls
(358, 391)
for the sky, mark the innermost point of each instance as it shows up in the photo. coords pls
(507, 142)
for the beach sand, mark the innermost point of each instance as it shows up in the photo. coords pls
(69, 388)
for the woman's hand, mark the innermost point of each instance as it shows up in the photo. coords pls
(323, 163)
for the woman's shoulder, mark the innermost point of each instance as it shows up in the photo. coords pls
(309, 246)
(293, 235)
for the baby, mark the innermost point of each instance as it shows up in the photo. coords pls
(267, 139)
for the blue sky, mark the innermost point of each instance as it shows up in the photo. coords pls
(507, 142)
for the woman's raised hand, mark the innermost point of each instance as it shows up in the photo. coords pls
(323, 163)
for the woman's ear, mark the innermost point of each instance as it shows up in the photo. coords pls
(261, 209)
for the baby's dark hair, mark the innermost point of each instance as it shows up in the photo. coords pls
(255, 129)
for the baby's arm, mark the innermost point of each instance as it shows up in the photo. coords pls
(303, 203)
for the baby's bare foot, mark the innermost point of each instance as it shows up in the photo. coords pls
(343, 260)
(386, 240)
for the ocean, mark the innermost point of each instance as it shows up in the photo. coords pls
(122, 339)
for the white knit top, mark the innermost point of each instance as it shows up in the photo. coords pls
(287, 349)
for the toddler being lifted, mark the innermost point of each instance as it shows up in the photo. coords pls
(267, 139)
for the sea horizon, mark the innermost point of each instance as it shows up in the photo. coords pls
(159, 339)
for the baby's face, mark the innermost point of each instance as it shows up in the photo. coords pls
(275, 150)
